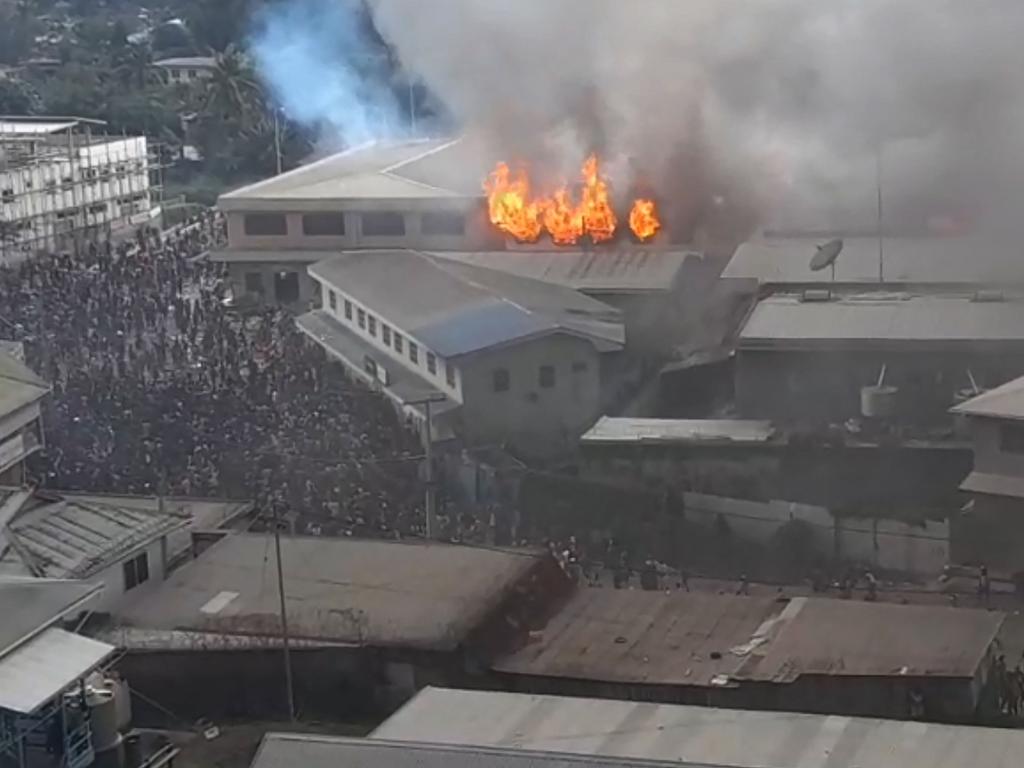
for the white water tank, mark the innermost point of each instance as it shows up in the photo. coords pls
(878, 401)
(103, 718)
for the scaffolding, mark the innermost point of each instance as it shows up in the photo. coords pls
(65, 182)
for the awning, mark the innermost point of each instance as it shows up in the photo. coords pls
(36, 671)
(994, 485)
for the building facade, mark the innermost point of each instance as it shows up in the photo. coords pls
(61, 185)
(21, 426)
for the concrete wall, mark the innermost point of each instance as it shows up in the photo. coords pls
(532, 418)
(816, 386)
(989, 456)
(112, 578)
(237, 272)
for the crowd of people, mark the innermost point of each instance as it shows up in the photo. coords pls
(161, 387)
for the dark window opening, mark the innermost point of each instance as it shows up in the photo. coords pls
(323, 224)
(449, 371)
(136, 571)
(383, 224)
(348, 309)
(450, 224)
(398, 342)
(385, 334)
(332, 299)
(371, 324)
(431, 363)
(286, 287)
(1011, 438)
(414, 352)
(265, 224)
(546, 378)
(502, 380)
(361, 315)
(254, 282)
(8, 196)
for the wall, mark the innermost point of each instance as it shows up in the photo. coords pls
(816, 386)
(112, 579)
(532, 418)
(237, 270)
(989, 457)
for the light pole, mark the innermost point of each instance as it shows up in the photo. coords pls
(431, 497)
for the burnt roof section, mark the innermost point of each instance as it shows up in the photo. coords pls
(704, 639)
(362, 592)
(289, 750)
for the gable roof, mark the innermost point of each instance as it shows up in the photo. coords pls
(457, 309)
(19, 386)
(1003, 402)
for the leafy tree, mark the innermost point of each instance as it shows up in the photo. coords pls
(221, 25)
(18, 98)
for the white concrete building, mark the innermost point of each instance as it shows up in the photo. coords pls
(61, 184)
(21, 428)
(506, 359)
(185, 69)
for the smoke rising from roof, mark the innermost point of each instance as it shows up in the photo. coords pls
(772, 94)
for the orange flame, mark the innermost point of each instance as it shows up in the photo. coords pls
(643, 219)
(598, 216)
(514, 210)
(563, 219)
(509, 204)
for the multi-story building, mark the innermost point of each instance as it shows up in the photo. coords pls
(502, 358)
(21, 428)
(185, 69)
(63, 183)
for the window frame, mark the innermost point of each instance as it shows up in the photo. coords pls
(323, 217)
(431, 363)
(249, 219)
(332, 299)
(378, 230)
(348, 310)
(449, 374)
(437, 218)
(361, 319)
(135, 570)
(414, 352)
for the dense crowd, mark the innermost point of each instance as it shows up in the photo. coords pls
(159, 386)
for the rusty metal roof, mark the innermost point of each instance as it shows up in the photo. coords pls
(705, 639)
(850, 637)
(680, 638)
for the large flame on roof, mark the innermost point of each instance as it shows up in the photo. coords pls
(516, 211)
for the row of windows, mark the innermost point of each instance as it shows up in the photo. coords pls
(390, 337)
(379, 224)
(501, 379)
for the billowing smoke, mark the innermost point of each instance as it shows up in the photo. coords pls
(764, 96)
(322, 65)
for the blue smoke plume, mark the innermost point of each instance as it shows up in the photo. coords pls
(326, 68)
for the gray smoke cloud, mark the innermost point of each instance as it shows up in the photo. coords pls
(767, 98)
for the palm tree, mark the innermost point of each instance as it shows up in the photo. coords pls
(233, 93)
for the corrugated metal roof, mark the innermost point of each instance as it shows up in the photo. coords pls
(850, 637)
(35, 127)
(786, 321)
(36, 671)
(456, 309)
(61, 536)
(739, 738)
(19, 386)
(677, 638)
(291, 750)
(369, 171)
(908, 260)
(207, 62)
(619, 270)
(29, 606)
(629, 430)
(1003, 402)
(994, 485)
(699, 639)
(363, 592)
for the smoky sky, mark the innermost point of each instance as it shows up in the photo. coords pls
(785, 94)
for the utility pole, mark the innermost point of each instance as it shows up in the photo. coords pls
(431, 491)
(286, 644)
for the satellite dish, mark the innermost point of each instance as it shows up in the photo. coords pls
(827, 255)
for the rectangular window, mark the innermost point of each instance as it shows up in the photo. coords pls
(431, 363)
(323, 224)
(348, 309)
(254, 282)
(449, 374)
(136, 571)
(383, 224)
(332, 299)
(385, 334)
(8, 195)
(265, 224)
(546, 377)
(1011, 438)
(579, 367)
(446, 224)
(398, 342)
(502, 380)
(362, 318)
(98, 208)
(414, 352)
(371, 323)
